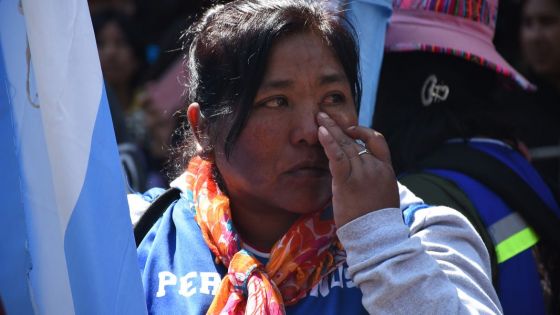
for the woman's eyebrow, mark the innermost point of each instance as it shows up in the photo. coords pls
(276, 84)
(332, 78)
(287, 83)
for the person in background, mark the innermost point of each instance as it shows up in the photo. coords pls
(540, 46)
(163, 98)
(540, 40)
(280, 208)
(120, 53)
(121, 56)
(122, 59)
(454, 143)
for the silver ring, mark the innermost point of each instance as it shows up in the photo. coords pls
(364, 151)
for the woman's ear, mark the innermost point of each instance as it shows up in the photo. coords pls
(198, 123)
(194, 117)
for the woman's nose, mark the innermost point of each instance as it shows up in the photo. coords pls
(304, 125)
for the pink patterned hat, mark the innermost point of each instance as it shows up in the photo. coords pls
(462, 28)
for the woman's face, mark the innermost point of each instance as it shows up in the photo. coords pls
(540, 36)
(116, 55)
(277, 163)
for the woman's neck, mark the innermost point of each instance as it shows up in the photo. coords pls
(258, 226)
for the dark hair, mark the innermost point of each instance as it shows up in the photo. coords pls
(227, 52)
(472, 107)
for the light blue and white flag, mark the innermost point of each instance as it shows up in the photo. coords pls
(66, 242)
(371, 37)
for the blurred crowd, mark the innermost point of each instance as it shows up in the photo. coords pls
(140, 51)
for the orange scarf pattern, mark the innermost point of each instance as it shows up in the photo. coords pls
(308, 252)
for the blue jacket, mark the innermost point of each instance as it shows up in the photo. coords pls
(189, 280)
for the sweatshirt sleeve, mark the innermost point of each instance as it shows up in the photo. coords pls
(437, 264)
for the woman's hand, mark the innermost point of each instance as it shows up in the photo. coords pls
(362, 182)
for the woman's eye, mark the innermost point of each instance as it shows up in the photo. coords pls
(275, 102)
(334, 99)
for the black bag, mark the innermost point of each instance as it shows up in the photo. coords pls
(154, 212)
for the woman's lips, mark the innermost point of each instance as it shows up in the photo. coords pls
(309, 169)
(309, 172)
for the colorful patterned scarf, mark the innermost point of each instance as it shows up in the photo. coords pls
(309, 251)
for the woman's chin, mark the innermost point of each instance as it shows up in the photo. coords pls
(311, 202)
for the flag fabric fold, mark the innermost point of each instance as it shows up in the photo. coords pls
(70, 247)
